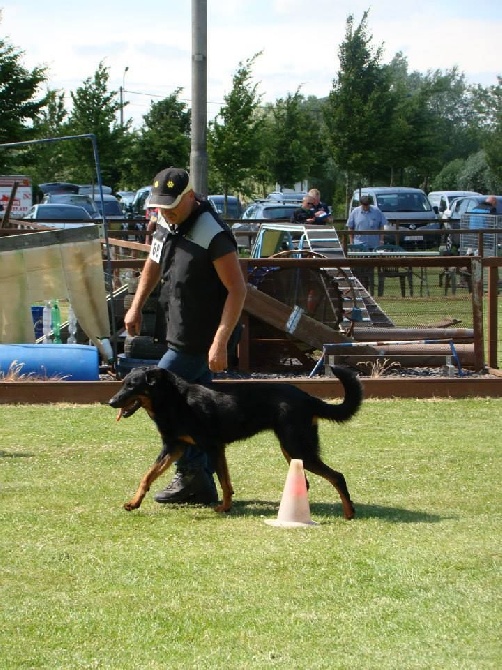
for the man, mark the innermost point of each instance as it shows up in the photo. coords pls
(194, 254)
(305, 213)
(488, 206)
(321, 210)
(366, 217)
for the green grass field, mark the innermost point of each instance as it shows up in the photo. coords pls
(412, 583)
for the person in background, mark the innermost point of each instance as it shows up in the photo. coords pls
(488, 206)
(305, 213)
(366, 217)
(194, 255)
(321, 209)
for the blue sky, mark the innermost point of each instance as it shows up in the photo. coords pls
(299, 40)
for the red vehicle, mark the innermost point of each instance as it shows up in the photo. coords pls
(23, 199)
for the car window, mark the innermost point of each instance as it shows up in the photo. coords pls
(112, 208)
(248, 214)
(463, 204)
(61, 212)
(278, 212)
(471, 203)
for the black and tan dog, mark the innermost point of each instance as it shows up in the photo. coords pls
(216, 415)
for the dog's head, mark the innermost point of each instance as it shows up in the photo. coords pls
(136, 391)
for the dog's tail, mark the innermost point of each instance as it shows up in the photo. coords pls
(352, 400)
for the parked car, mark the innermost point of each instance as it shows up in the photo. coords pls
(443, 199)
(268, 209)
(126, 198)
(113, 210)
(140, 201)
(459, 207)
(53, 215)
(406, 209)
(234, 205)
(58, 187)
(93, 189)
(465, 204)
(77, 199)
(287, 196)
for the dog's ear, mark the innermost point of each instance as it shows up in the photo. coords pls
(152, 374)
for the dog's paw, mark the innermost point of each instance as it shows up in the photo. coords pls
(129, 506)
(222, 507)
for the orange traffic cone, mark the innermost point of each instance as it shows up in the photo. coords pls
(294, 509)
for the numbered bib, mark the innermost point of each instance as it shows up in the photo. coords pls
(158, 243)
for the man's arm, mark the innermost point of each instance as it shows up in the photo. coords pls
(149, 279)
(230, 274)
(383, 223)
(351, 226)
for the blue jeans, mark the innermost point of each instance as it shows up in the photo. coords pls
(193, 369)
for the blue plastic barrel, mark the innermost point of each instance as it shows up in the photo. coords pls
(74, 362)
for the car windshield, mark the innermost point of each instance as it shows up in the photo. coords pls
(403, 202)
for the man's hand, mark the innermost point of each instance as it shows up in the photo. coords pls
(132, 321)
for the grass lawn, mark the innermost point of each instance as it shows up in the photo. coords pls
(412, 583)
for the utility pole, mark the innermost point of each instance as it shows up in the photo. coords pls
(121, 96)
(198, 151)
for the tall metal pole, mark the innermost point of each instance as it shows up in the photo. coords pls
(198, 152)
(121, 96)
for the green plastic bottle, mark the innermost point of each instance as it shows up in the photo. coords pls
(56, 323)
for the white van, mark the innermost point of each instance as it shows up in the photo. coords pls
(406, 208)
(443, 199)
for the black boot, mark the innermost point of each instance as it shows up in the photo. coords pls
(195, 487)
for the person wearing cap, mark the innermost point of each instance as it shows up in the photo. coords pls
(366, 217)
(194, 255)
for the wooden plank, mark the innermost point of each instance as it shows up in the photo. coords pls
(272, 311)
(49, 237)
(85, 393)
(465, 335)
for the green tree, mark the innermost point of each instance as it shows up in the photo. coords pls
(478, 176)
(46, 161)
(19, 101)
(292, 155)
(163, 140)
(235, 136)
(451, 101)
(449, 176)
(491, 108)
(263, 180)
(95, 111)
(360, 105)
